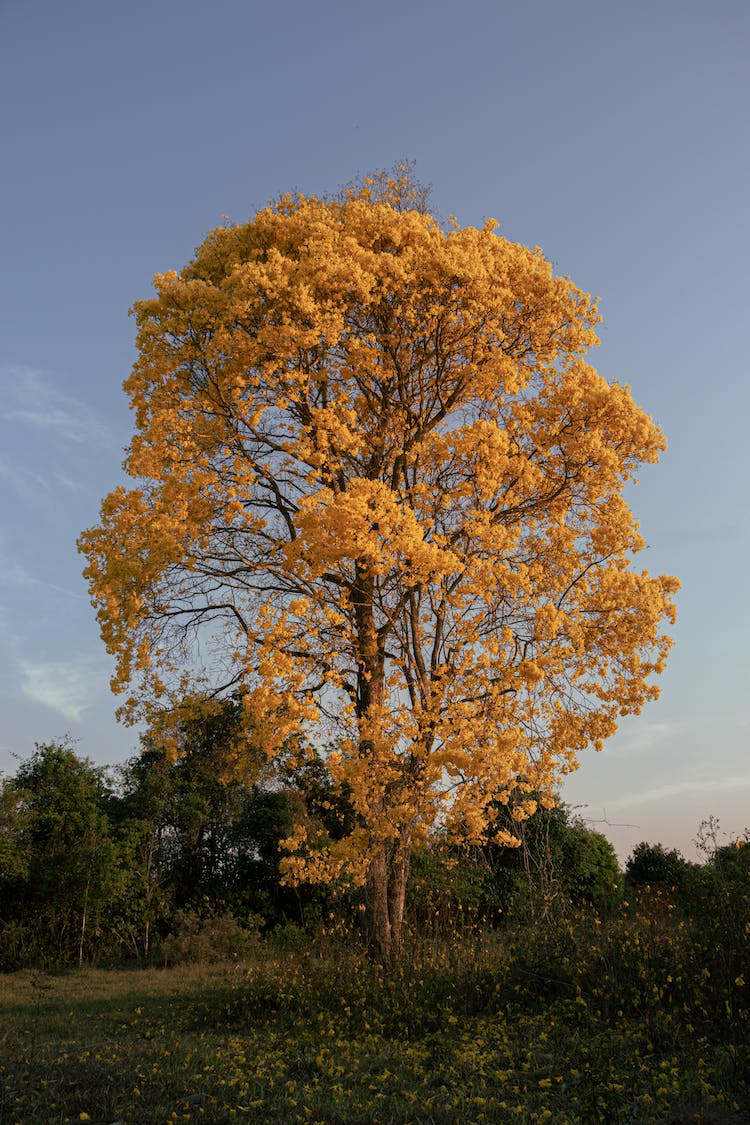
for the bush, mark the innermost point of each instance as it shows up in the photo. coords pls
(447, 891)
(589, 871)
(654, 865)
(218, 937)
(560, 862)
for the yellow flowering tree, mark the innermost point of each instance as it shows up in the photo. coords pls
(378, 492)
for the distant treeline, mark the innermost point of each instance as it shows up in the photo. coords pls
(162, 860)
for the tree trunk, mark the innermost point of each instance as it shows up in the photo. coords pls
(377, 922)
(384, 899)
(399, 876)
(84, 916)
(384, 893)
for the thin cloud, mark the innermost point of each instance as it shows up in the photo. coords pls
(26, 482)
(62, 686)
(32, 400)
(680, 789)
(67, 482)
(13, 573)
(645, 735)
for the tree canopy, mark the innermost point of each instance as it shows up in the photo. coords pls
(379, 493)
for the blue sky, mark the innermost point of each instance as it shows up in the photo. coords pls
(613, 135)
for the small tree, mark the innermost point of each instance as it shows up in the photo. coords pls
(379, 493)
(69, 856)
(559, 860)
(14, 858)
(140, 816)
(655, 865)
(590, 872)
(200, 819)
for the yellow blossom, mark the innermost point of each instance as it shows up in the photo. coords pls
(379, 487)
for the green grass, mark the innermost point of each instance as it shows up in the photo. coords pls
(577, 1022)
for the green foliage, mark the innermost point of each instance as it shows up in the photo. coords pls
(181, 866)
(14, 857)
(655, 865)
(716, 900)
(197, 939)
(209, 834)
(589, 869)
(88, 872)
(59, 872)
(560, 862)
(448, 891)
(535, 993)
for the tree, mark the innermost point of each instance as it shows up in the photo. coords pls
(379, 493)
(560, 860)
(14, 860)
(655, 865)
(140, 819)
(198, 837)
(69, 874)
(590, 872)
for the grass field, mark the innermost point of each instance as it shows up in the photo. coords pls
(581, 1022)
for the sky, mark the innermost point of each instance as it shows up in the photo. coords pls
(613, 135)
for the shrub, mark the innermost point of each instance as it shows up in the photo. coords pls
(448, 891)
(218, 937)
(655, 865)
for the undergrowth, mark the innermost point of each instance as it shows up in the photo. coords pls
(637, 1018)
